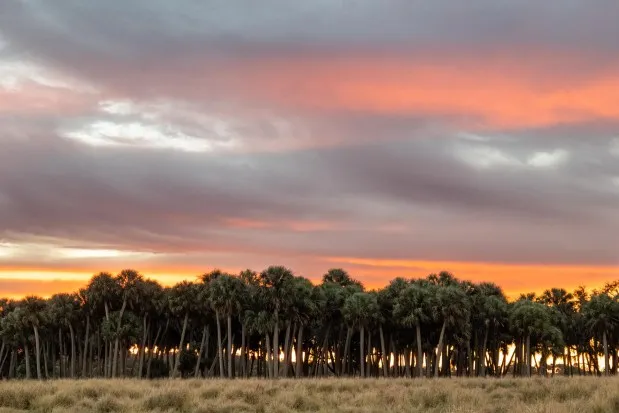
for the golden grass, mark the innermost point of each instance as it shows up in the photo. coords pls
(557, 395)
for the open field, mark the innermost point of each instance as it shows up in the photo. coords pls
(560, 395)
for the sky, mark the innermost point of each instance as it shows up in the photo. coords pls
(391, 138)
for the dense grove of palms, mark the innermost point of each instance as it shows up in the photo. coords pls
(275, 324)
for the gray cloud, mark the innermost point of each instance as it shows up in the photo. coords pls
(298, 183)
(151, 25)
(172, 201)
(103, 41)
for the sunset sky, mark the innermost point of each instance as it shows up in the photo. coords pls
(390, 138)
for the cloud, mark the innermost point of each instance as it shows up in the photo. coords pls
(486, 157)
(548, 159)
(103, 133)
(178, 135)
(399, 24)
(292, 202)
(515, 71)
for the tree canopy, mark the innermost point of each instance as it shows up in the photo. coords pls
(274, 323)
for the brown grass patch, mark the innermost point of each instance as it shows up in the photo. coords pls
(569, 395)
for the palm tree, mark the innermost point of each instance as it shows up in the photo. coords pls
(14, 331)
(148, 295)
(64, 310)
(530, 320)
(488, 314)
(226, 296)
(340, 277)
(360, 309)
(336, 287)
(387, 299)
(34, 309)
(306, 302)
(445, 325)
(104, 293)
(602, 316)
(411, 310)
(276, 283)
(450, 307)
(562, 318)
(183, 299)
(129, 282)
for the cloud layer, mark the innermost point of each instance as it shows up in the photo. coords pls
(179, 137)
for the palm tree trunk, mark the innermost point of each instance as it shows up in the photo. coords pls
(299, 353)
(346, 356)
(142, 349)
(4, 359)
(361, 358)
(37, 349)
(276, 346)
(469, 359)
(369, 354)
(606, 358)
(528, 355)
(208, 336)
(123, 358)
(286, 352)
(229, 346)
(155, 345)
(45, 363)
(518, 366)
(12, 364)
(483, 353)
(73, 354)
(323, 361)
(85, 352)
(196, 371)
(497, 368)
(219, 346)
(53, 356)
(177, 359)
(27, 354)
(268, 363)
(383, 351)
(445, 369)
(243, 352)
(106, 358)
(439, 350)
(419, 350)
(116, 341)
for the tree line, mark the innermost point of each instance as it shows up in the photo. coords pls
(275, 324)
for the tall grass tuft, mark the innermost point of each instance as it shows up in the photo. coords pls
(475, 395)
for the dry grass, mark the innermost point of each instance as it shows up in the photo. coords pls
(558, 395)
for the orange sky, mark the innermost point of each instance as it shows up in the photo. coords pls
(501, 92)
(374, 273)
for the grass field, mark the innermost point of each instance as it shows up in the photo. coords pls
(560, 395)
